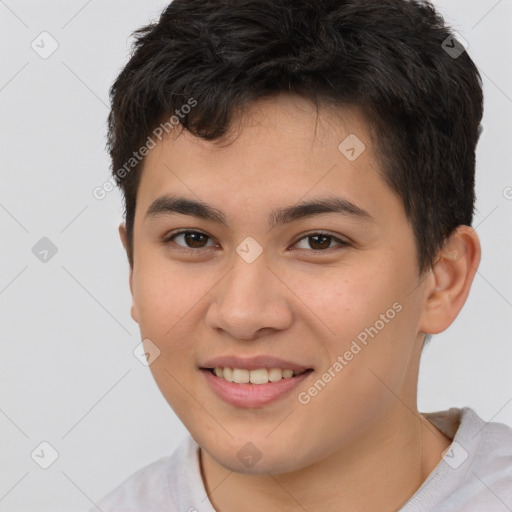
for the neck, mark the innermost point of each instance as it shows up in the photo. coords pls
(380, 470)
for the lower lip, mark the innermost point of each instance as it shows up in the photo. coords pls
(252, 395)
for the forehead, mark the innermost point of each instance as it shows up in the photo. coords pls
(280, 151)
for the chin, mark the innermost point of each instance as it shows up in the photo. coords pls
(276, 464)
(259, 457)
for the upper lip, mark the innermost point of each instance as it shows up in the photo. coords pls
(253, 363)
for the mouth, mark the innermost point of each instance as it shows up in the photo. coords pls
(243, 388)
(258, 377)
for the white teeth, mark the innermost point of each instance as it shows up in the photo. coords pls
(240, 376)
(275, 374)
(259, 376)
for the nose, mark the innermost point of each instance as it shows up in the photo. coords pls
(250, 301)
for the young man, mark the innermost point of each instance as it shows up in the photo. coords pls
(299, 188)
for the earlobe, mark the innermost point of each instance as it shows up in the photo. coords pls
(450, 280)
(123, 235)
(124, 240)
(133, 314)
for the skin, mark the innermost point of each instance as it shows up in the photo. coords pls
(360, 443)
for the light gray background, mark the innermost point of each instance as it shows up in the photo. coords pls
(68, 374)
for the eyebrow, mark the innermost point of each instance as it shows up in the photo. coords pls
(169, 205)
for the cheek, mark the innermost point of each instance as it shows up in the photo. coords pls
(163, 296)
(165, 299)
(170, 301)
(362, 315)
(340, 302)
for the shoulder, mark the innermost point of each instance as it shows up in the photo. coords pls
(155, 487)
(486, 443)
(146, 488)
(490, 443)
(475, 472)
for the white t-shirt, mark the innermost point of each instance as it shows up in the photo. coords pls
(475, 474)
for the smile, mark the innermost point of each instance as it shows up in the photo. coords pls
(258, 376)
(253, 388)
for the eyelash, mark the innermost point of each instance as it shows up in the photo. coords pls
(188, 250)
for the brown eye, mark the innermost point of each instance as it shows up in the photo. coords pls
(192, 239)
(320, 241)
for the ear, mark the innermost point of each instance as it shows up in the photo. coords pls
(450, 280)
(124, 240)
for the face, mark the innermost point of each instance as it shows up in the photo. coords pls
(260, 284)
